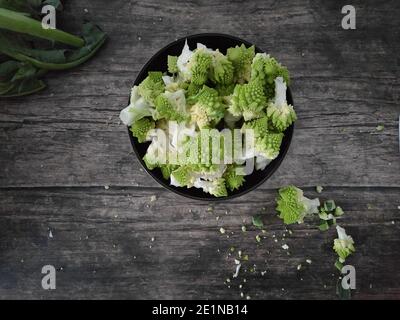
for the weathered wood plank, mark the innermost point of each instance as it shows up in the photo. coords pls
(98, 233)
(79, 141)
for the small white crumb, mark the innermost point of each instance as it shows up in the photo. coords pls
(152, 239)
(393, 222)
(370, 285)
(283, 289)
(240, 253)
(309, 261)
(50, 234)
(153, 198)
(22, 260)
(217, 218)
(244, 280)
(139, 38)
(299, 267)
(228, 280)
(276, 240)
(290, 232)
(319, 189)
(134, 257)
(398, 207)
(244, 228)
(248, 297)
(86, 10)
(285, 247)
(241, 294)
(106, 187)
(324, 286)
(263, 272)
(240, 286)
(222, 230)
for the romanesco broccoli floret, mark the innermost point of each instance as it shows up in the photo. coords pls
(258, 68)
(225, 90)
(152, 87)
(281, 114)
(241, 58)
(137, 109)
(200, 66)
(191, 93)
(167, 169)
(221, 69)
(233, 179)
(269, 145)
(259, 126)
(172, 106)
(141, 128)
(293, 206)
(216, 187)
(343, 245)
(248, 100)
(274, 69)
(173, 64)
(208, 108)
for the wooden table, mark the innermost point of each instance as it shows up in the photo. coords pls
(66, 163)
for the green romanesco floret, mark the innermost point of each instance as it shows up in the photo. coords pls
(191, 92)
(141, 128)
(152, 87)
(259, 126)
(233, 179)
(343, 245)
(221, 69)
(200, 66)
(274, 69)
(215, 187)
(225, 90)
(248, 100)
(167, 109)
(293, 206)
(167, 169)
(208, 108)
(183, 176)
(281, 114)
(241, 58)
(172, 64)
(269, 145)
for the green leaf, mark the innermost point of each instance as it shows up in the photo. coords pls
(343, 294)
(17, 22)
(339, 265)
(56, 59)
(324, 226)
(257, 221)
(329, 205)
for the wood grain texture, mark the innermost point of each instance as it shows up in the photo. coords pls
(59, 148)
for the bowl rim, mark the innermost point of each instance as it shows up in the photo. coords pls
(163, 182)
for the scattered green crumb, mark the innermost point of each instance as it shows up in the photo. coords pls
(246, 258)
(257, 221)
(369, 206)
(232, 249)
(210, 209)
(258, 238)
(244, 228)
(319, 189)
(380, 127)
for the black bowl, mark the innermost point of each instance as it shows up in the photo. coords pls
(159, 63)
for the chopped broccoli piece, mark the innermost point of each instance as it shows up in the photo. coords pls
(172, 106)
(293, 206)
(269, 145)
(152, 87)
(281, 114)
(221, 70)
(343, 245)
(215, 187)
(241, 58)
(232, 178)
(248, 100)
(173, 64)
(141, 128)
(200, 66)
(208, 108)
